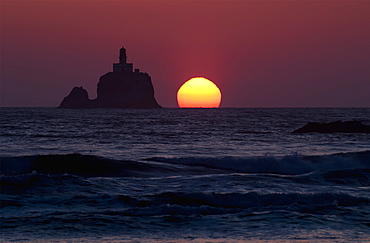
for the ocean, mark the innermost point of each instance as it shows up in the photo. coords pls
(183, 175)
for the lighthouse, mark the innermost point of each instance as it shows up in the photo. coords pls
(122, 66)
(122, 55)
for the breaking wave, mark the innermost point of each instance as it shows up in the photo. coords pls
(93, 166)
(287, 165)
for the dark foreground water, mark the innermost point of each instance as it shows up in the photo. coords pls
(182, 175)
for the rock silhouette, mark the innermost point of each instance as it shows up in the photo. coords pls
(77, 98)
(332, 127)
(122, 88)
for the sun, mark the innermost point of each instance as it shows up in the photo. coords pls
(199, 92)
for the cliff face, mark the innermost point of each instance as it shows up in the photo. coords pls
(115, 90)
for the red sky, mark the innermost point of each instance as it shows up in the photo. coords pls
(259, 53)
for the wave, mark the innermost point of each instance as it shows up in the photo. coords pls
(95, 166)
(75, 164)
(185, 203)
(287, 165)
(254, 199)
(181, 203)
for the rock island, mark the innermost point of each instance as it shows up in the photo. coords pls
(122, 88)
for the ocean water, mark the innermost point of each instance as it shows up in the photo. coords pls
(182, 175)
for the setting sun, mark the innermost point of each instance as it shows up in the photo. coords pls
(199, 92)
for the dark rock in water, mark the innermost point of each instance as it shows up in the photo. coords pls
(77, 98)
(126, 90)
(121, 88)
(332, 127)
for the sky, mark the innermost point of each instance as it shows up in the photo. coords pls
(259, 53)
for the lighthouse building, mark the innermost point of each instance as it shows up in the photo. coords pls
(123, 66)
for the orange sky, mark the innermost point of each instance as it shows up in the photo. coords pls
(260, 54)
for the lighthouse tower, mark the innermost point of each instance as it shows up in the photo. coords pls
(122, 55)
(122, 66)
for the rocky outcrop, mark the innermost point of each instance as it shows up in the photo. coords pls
(332, 127)
(78, 98)
(115, 90)
(121, 88)
(126, 90)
